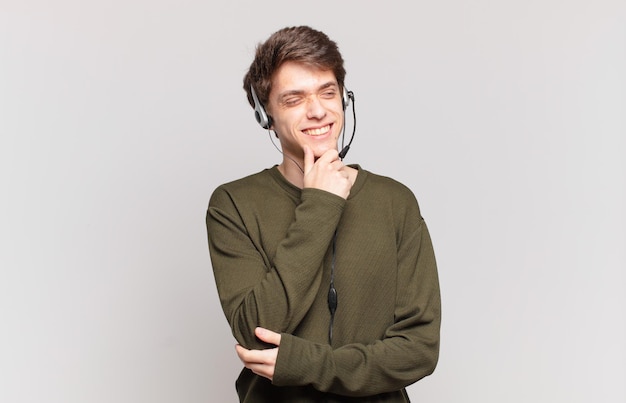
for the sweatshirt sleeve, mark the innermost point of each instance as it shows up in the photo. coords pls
(408, 351)
(251, 292)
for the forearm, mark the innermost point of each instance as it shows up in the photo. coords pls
(356, 369)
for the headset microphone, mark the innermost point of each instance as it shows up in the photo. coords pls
(344, 151)
(349, 95)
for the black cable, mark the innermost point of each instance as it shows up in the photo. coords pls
(281, 151)
(332, 292)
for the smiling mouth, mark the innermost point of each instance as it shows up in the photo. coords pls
(317, 132)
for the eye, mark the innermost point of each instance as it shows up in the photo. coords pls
(292, 101)
(330, 94)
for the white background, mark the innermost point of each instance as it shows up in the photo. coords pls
(119, 118)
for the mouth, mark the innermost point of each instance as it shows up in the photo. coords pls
(319, 131)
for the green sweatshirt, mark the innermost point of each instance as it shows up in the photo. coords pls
(271, 247)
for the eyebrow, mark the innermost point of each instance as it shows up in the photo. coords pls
(301, 92)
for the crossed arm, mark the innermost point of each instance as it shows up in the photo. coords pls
(259, 293)
(279, 297)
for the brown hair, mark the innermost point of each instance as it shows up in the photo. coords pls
(301, 44)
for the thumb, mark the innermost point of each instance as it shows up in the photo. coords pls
(267, 336)
(309, 159)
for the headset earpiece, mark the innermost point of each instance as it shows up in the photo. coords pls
(345, 101)
(346, 97)
(261, 116)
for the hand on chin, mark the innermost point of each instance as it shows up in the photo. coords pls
(320, 150)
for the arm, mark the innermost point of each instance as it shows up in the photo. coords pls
(410, 347)
(253, 292)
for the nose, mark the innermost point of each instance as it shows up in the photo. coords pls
(315, 108)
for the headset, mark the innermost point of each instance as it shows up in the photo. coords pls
(265, 120)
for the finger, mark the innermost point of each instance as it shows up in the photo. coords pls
(338, 165)
(344, 170)
(263, 370)
(252, 357)
(244, 354)
(268, 336)
(309, 159)
(330, 156)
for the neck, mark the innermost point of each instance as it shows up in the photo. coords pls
(292, 171)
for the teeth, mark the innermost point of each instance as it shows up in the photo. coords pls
(317, 132)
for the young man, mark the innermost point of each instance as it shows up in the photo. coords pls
(326, 272)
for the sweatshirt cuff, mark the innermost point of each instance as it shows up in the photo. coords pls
(295, 362)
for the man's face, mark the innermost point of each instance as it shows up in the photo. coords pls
(305, 105)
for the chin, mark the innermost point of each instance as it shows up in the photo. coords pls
(320, 150)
